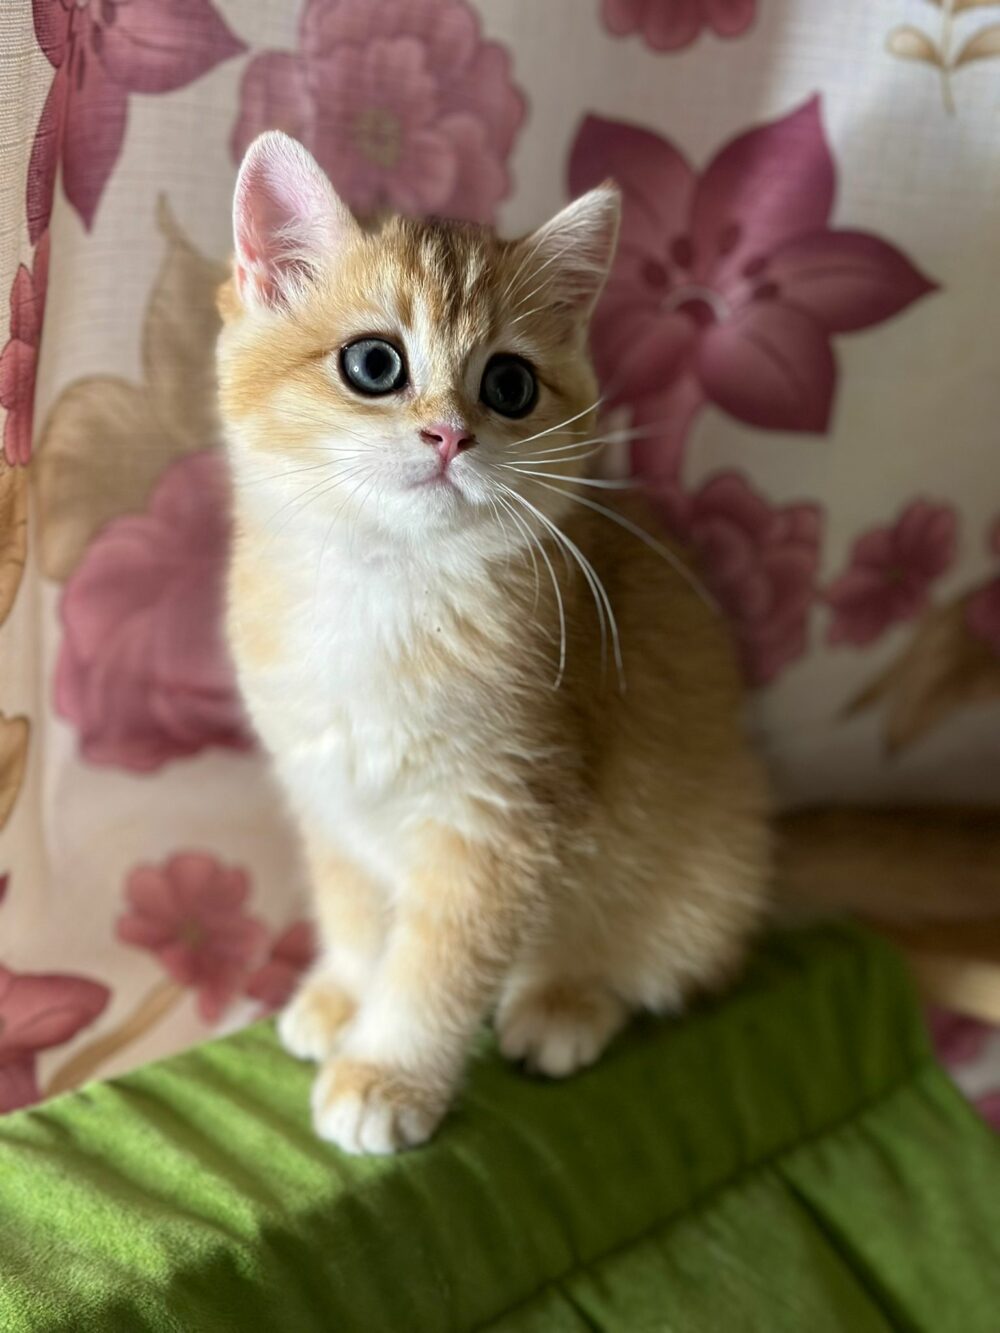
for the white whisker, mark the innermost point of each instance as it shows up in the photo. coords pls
(522, 268)
(556, 589)
(588, 448)
(326, 538)
(532, 461)
(257, 480)
(550, 430)
(687, 574)
(531, 540)
(526, 314)
(570, 245)
(324, 482)
(315, 492)
(576, 481)
(491, 500)
(602, 601)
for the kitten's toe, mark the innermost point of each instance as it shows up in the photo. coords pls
(311, 1023)
(560, 1028)
(363, 1108)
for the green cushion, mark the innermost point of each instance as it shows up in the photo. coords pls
(789, 1158)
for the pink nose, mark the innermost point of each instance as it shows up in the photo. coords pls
(447, 440)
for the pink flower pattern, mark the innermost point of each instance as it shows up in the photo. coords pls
(728, 286)
(143, 672)
(39, 1010)
(982, 614)
(957, 1039)
(890, 573)
(670, 25)
(760, 563)
(401, 101)
(290, 955)
(189, 912)
(988, 1107)
(103, 50)
(960, 1041)
(728, 289)
(19, 359)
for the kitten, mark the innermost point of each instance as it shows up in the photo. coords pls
(515, 756)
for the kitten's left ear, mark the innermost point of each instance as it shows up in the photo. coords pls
(572, 252)
(287, 220)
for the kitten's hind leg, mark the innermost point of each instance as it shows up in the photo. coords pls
(350, 909)
(311, 1023)
(560, 1025)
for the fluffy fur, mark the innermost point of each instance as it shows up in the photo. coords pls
(505, 807)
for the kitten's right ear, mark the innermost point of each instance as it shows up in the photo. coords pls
(576, 247)
(286, 219)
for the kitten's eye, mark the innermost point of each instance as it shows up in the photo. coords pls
(509, 385)
(373, 366)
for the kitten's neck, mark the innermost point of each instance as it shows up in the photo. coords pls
(316, 555)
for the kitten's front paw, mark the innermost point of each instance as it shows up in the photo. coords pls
(560, 1028)
(311, 1023)
(365, 1108)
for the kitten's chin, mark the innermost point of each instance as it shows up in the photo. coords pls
(434, 504)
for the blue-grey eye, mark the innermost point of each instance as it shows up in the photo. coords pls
(373, 366)
(509, 385)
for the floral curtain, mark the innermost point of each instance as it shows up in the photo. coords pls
(799, 342)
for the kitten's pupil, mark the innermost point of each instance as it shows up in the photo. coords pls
(376, 363)
(373, 366)
(509, 386)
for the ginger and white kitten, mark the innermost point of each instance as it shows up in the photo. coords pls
(492, 823)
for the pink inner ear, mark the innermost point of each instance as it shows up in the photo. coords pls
(284, 217)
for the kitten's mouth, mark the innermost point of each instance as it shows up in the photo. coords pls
(439, 481)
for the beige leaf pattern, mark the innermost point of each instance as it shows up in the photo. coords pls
(106, 441)
(100, 453)
(912, 44)
(951, 48)
(958, 6)
(179, 334)
(14, 732)
(13, 533)
(943, 668)
(984, 45)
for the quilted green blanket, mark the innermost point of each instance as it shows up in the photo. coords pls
(789, 1158)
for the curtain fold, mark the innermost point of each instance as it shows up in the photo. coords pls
(800, 334)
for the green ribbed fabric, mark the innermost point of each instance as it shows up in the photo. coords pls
(788, 1158)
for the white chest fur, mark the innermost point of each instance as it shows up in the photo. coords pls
(371, 733)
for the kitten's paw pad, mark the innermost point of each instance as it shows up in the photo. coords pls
(363, 1108)
(558, 1029)
(311, 1023)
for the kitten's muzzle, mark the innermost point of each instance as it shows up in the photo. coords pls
(447, 440)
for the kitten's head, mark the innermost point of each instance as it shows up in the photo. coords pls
(406, 376)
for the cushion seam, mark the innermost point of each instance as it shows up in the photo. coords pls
(696, 1202)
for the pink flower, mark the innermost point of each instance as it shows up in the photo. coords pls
(189, 913)
(401, 101)
(957, 1039)
(728, 286)
(669, 25)
(143, 672)
(982, 614)
(39, 1010)
(102, 50)
(760, 564)
(988, 1107)
(890, 573)
(291, 954)
(19, 360)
